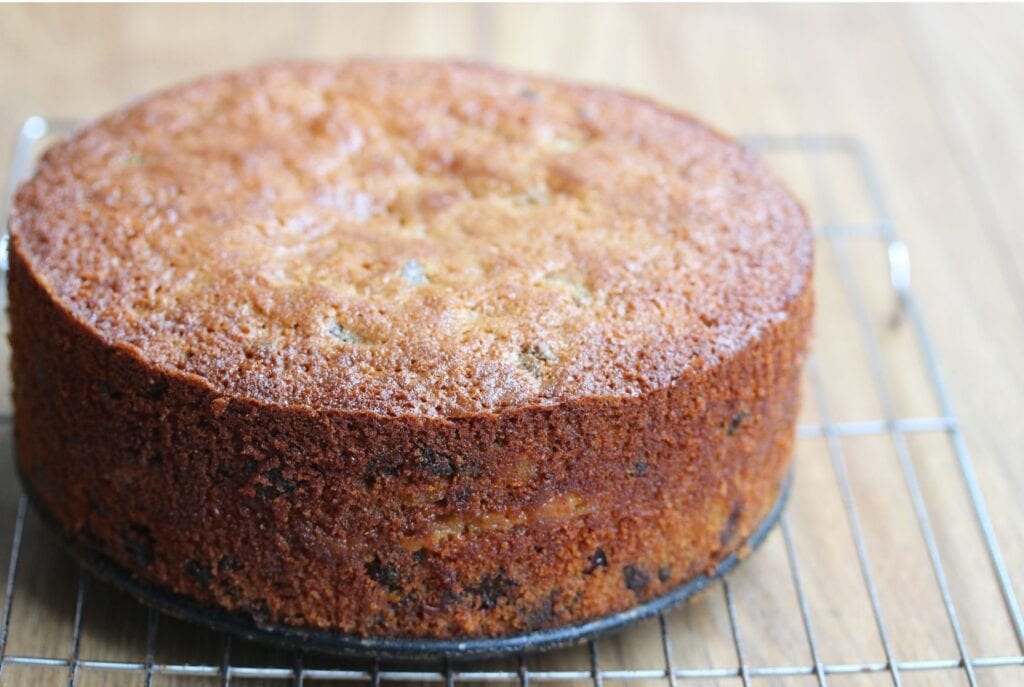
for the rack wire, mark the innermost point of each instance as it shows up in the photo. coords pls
(839, 240)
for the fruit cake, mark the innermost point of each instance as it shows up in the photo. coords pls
(406, 349)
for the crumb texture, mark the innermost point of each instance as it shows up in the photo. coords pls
(412, 238)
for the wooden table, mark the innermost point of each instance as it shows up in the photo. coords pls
(935, 94)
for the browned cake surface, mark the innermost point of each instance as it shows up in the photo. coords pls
(413, 238)
(407, 348)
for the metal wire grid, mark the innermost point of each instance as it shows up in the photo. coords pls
(834, 234)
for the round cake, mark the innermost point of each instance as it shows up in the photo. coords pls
(406, 349)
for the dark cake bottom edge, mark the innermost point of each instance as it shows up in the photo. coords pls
(329, 642)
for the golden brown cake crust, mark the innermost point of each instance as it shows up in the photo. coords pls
(432, 239)
(407, 348)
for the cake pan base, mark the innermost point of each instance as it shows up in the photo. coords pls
(326, 641)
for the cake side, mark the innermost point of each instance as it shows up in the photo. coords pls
(481, 525)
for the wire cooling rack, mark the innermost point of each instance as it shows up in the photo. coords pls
(890, 563)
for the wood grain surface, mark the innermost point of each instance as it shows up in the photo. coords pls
(936, 96)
